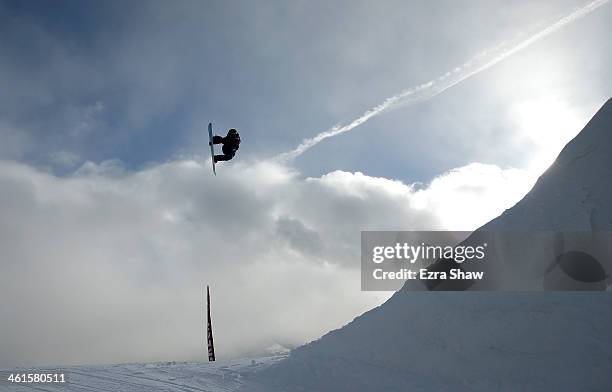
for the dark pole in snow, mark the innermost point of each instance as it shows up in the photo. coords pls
(209, 333)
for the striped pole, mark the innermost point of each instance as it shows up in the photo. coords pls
(209, 333)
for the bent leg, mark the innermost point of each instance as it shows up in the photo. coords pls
(228, 154)
(224, 157)
(217, 139)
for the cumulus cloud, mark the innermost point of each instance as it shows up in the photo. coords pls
(109, 265)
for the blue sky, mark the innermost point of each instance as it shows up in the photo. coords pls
(111, 221)
(139, 81)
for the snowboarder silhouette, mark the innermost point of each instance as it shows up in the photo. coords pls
(231, 143)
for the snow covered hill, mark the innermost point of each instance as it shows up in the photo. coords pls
(484, 341)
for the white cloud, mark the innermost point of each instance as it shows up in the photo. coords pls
(469, 196)
(109, 265)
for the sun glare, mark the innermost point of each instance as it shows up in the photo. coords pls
(546, 123)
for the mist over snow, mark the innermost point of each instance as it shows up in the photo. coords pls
(109, 265)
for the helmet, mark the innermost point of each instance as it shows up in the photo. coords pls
(233, 135)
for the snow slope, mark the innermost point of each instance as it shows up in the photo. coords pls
(483, 341)
(220, 376)
(575, 192)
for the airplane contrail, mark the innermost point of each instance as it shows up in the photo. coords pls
(428, 90)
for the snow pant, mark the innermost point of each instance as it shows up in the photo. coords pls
(228, 153)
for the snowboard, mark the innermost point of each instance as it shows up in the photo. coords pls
(212, 148)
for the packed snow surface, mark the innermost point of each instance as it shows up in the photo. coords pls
(220, 376)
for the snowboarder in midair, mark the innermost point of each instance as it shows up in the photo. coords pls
(231, 143)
